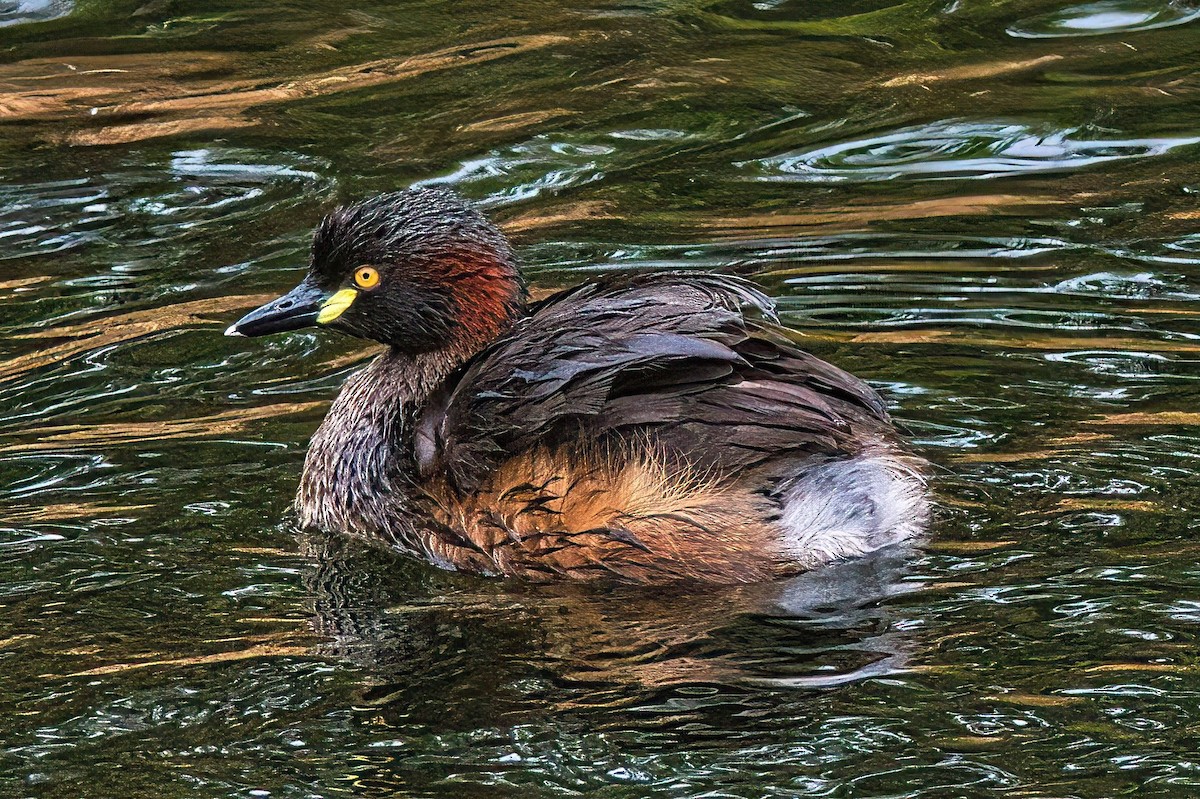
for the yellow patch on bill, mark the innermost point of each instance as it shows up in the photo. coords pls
(336, 305)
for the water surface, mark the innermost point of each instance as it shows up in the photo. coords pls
(991, 210)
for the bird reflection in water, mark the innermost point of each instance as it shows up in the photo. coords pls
(456, 652)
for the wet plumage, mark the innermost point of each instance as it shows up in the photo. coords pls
(655, 427)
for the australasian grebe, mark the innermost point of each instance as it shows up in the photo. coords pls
(648, 428)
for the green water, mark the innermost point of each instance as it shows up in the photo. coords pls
(991, 210)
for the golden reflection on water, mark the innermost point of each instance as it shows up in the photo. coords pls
(23, 282)
(63, 511)
(105, 331)
(861, 216)
(225, 423)
(108, 96)
(1102, 504)
(1150, 418)
(559, 215)
(512, 122)
(987, 69)
(158, 660)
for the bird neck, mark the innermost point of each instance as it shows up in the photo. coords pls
(360, 463)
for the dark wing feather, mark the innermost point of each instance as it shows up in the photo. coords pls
(695, 358)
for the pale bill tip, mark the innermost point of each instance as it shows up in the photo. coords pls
(233, 331)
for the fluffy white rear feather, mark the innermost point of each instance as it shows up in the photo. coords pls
(844, 509)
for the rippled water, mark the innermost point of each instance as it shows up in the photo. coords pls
(961, 149)
(1107, 16)
(991, 210)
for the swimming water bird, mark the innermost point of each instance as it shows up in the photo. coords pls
(656, 427)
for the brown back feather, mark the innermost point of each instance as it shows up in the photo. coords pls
(695, 358)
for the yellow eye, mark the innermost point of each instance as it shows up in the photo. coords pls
(366, 278)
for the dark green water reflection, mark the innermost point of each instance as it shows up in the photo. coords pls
(990, 209)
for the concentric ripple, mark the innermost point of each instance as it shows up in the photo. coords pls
(16, 12)
(1107, 16)
(190, 189)
(963, 149)
(548, 163)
